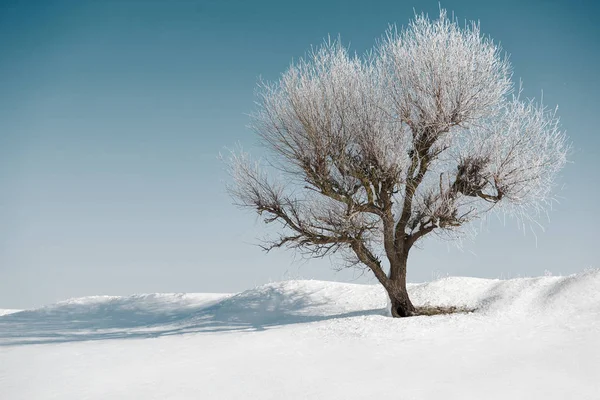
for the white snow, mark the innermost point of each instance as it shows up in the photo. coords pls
(530, 338)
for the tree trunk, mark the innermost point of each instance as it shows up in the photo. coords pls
(400, 303)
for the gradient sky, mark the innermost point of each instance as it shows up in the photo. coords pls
(112, 114)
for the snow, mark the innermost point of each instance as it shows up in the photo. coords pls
(530, 338)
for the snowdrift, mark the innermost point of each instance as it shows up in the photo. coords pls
(290, 302)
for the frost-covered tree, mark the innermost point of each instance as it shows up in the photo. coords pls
(422, 135)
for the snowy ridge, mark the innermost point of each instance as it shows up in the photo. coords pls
(290, 302)
(527, 296)
(103, 317)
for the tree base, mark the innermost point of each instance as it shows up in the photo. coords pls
(428, 311)
(401, 306)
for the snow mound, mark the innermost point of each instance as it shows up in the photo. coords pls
(291, 302)
(521, 296)
(103, 317)
(300, 301)
(136, 310)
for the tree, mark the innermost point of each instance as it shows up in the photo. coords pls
(421, 135)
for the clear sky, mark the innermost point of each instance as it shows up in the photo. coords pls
(112, 114)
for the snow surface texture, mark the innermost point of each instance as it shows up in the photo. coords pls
(530, 338)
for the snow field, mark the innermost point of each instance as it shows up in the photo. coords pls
(530, 338)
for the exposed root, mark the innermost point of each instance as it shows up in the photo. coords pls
(442, 310)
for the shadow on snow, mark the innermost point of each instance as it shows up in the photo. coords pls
(122, 318)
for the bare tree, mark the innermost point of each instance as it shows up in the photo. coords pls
(423, 134)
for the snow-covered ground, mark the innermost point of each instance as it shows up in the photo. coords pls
(530, 338)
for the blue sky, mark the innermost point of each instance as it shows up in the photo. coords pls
(112, 114)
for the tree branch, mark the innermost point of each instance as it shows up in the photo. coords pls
(367, 258)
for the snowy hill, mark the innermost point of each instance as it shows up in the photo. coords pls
(529, 338)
